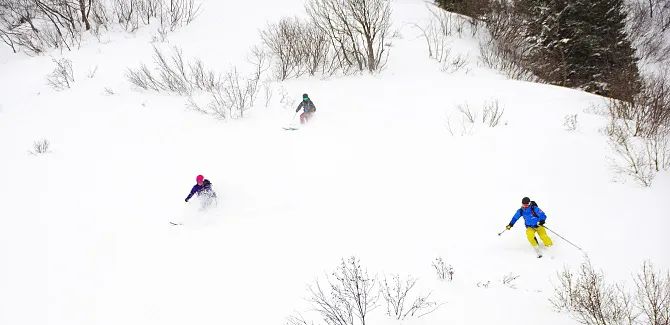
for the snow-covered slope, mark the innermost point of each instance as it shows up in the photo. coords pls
(84, 235)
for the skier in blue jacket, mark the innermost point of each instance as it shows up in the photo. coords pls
(534, 218)
(202, 188)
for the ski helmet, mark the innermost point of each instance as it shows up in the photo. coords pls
(200, 178)
(305, 97)
(525, 200)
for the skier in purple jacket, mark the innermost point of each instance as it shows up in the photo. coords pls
(203, 189)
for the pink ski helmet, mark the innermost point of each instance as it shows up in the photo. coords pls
(200, 179)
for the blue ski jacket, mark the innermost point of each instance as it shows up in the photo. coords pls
(531, 215)
(205, 188)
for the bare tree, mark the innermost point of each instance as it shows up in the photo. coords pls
(653, 295)
(396, 293)
(352, 293)
(62, 76)
(358, 31)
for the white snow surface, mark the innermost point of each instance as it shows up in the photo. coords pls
(84, 233)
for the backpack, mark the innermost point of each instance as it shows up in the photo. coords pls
(532, 209)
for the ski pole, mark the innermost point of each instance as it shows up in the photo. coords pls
(500, 233)
(569, 242)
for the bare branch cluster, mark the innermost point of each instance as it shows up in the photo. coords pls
(62, 76)
(341, 36)
(437, 33)
(352, 293)
(358, 31)
(228, 96)
(299, 48)
(639, 131)
(444, 271)
(40, 147)
(37, 25)
(591, 300)
(506, 49)
(173, 74)
(570, 122)
(648, 27)
(508, 280)
(396, 293)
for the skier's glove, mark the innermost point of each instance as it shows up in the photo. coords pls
(541, 223)
(185, 200)
(508, 227)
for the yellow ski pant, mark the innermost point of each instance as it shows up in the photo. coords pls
(530, 234)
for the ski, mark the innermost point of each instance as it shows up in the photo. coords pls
(176, 224)
(290, 128)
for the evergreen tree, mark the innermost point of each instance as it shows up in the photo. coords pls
(583, 44)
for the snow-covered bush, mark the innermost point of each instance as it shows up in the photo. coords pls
(62, 76)
(570, 122)
(402, 302)
(40, 147)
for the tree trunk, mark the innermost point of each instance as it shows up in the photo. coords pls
(84, 16)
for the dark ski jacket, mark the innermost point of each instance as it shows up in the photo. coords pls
(205, 188)
(308, 105)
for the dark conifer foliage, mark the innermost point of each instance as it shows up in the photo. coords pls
(582, 44)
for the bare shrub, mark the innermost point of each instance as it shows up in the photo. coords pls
(40, 147)
(91, 73)
(62, 76)
(297, 319)
(492, 113)
(396, 293)
(506, 48)
(508, 280)
(358, 31)
(483, 284)
(467, 113)
(630, 158)
(639, 131)
(459, 126)
(351, 294)
(653, 295)
(437, 33)
(288, 42)
(590, 300)
(174, 74)
(570, 122)
(444, 271)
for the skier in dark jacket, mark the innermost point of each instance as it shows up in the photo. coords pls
(203, 189)
(308, 106)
